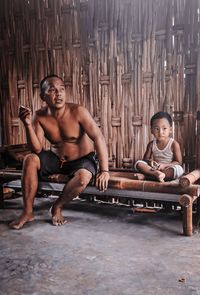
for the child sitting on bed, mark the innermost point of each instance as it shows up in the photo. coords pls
(163, 159)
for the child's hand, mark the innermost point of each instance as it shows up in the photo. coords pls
(154, 165)
(162, 166)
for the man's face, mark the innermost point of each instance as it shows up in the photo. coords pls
(54, 93)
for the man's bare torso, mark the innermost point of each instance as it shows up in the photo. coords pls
(67, 137)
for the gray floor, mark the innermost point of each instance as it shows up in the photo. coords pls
(102, 250)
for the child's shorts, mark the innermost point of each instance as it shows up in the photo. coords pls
(178, 169)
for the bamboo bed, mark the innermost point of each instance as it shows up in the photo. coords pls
(124, 185)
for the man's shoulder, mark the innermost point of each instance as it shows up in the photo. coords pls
(73, 105)
(41, 112)
(76, 108)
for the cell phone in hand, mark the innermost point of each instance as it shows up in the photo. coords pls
(23, 108)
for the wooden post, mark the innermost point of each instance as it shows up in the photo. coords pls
(186, 202)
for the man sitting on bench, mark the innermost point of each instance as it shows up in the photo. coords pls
(74, 138)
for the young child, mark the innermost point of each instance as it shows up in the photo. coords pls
(162, 159)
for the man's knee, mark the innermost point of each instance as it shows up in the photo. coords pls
(83, 177)
(31, 160)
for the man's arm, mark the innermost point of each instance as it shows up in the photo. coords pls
(34, 134)
(93, 131)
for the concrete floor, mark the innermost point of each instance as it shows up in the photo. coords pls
(103, 250)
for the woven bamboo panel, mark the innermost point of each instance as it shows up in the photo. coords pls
(123, 60)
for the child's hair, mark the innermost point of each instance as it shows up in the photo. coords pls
(161, 115)
(42, 88)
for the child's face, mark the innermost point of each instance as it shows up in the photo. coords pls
(161, 129)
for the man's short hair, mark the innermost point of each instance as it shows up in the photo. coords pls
(161, 115)
(42, 82)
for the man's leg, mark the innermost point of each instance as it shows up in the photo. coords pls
(72, 189)
(31, 166)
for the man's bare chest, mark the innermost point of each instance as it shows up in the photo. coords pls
(62, 130)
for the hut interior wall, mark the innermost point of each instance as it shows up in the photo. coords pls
(123, 60)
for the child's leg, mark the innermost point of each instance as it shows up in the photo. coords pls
(144, 168)
(169, 173)
(173, 172)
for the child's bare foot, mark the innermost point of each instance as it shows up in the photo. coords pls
(57, 218)
(160, 176)
(19, 223)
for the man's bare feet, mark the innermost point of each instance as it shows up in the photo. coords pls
(57, 218)
(19, 223)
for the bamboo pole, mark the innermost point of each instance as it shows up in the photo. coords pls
(126, 182)
(186, 202)
(190, 178)
(152, 186)
(124, 174)
(187, 221)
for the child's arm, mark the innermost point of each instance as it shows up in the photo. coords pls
(177, 153)
(148, 157)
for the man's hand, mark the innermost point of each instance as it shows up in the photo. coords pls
(102, 180)
(25, 115)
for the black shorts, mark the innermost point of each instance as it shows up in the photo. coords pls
(50, 163)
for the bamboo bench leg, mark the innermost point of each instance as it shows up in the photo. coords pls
(187, 221)
(1, 196)
(186, 203)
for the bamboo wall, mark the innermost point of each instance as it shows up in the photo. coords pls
(122, 59)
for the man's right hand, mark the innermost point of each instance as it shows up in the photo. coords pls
(25, 115)
(102, 179)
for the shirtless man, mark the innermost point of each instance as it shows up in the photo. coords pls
(74, 136)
